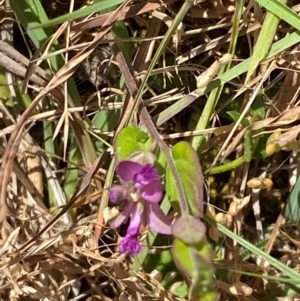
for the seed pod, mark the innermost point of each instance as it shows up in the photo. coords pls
(210, 211)
(229, 221)
(256, 183)
(267, 183)
(208, 75)
(272, 146)
(240, 289)
(244, 202)
(155, 274)
(221, 218)
(233, 209)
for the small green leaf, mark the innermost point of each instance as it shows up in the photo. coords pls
(161, 162)
(258, 108)
(236, 115)
(171, 190)
(188, 165)
(189, 229)
(181, 291)
(292, 210)
(131, 139)
(182, 256)
(196, 262)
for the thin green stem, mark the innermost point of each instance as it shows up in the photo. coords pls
(198, 141)
(179, 17)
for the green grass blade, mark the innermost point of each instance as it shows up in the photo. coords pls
(107, 120)
(264, 42)
(83, 12)
(198, 141)
(32, 12)
(292, 210)
(295, 276)
(234, 72)
(282, 11)
(179, 17)
(27, 12)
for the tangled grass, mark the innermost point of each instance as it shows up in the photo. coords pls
(63, 100)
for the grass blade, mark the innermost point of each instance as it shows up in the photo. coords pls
(234, 72)
(252, 248)
(264, 42)
(292, 210)
(90, 9)
(285, 14)
(198, 141)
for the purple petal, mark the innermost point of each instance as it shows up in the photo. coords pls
(117, 193)
(136, 220)
(123, 216)
(130, 245)
(128, 169)
(152, 192)
(146, 175)
(157, 220)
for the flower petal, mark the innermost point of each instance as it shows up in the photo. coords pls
(136, 219)
(152, 192)
(130, 245)
(146, 175)
(117, 193)
(128, 169)
(123, 216)
(157, 220)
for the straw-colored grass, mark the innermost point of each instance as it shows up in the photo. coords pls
(64, 96)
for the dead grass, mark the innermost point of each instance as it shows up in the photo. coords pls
(49, 254)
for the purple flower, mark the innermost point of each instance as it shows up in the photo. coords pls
(142, 191)
(130, 245)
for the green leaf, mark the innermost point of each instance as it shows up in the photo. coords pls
(236, 115)
(131, 139)
(196, 262)
(189, 229)
(182, 254)
(258, 108)
(189, 169)
(181, 291)
(292, 210)
(171, 190)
